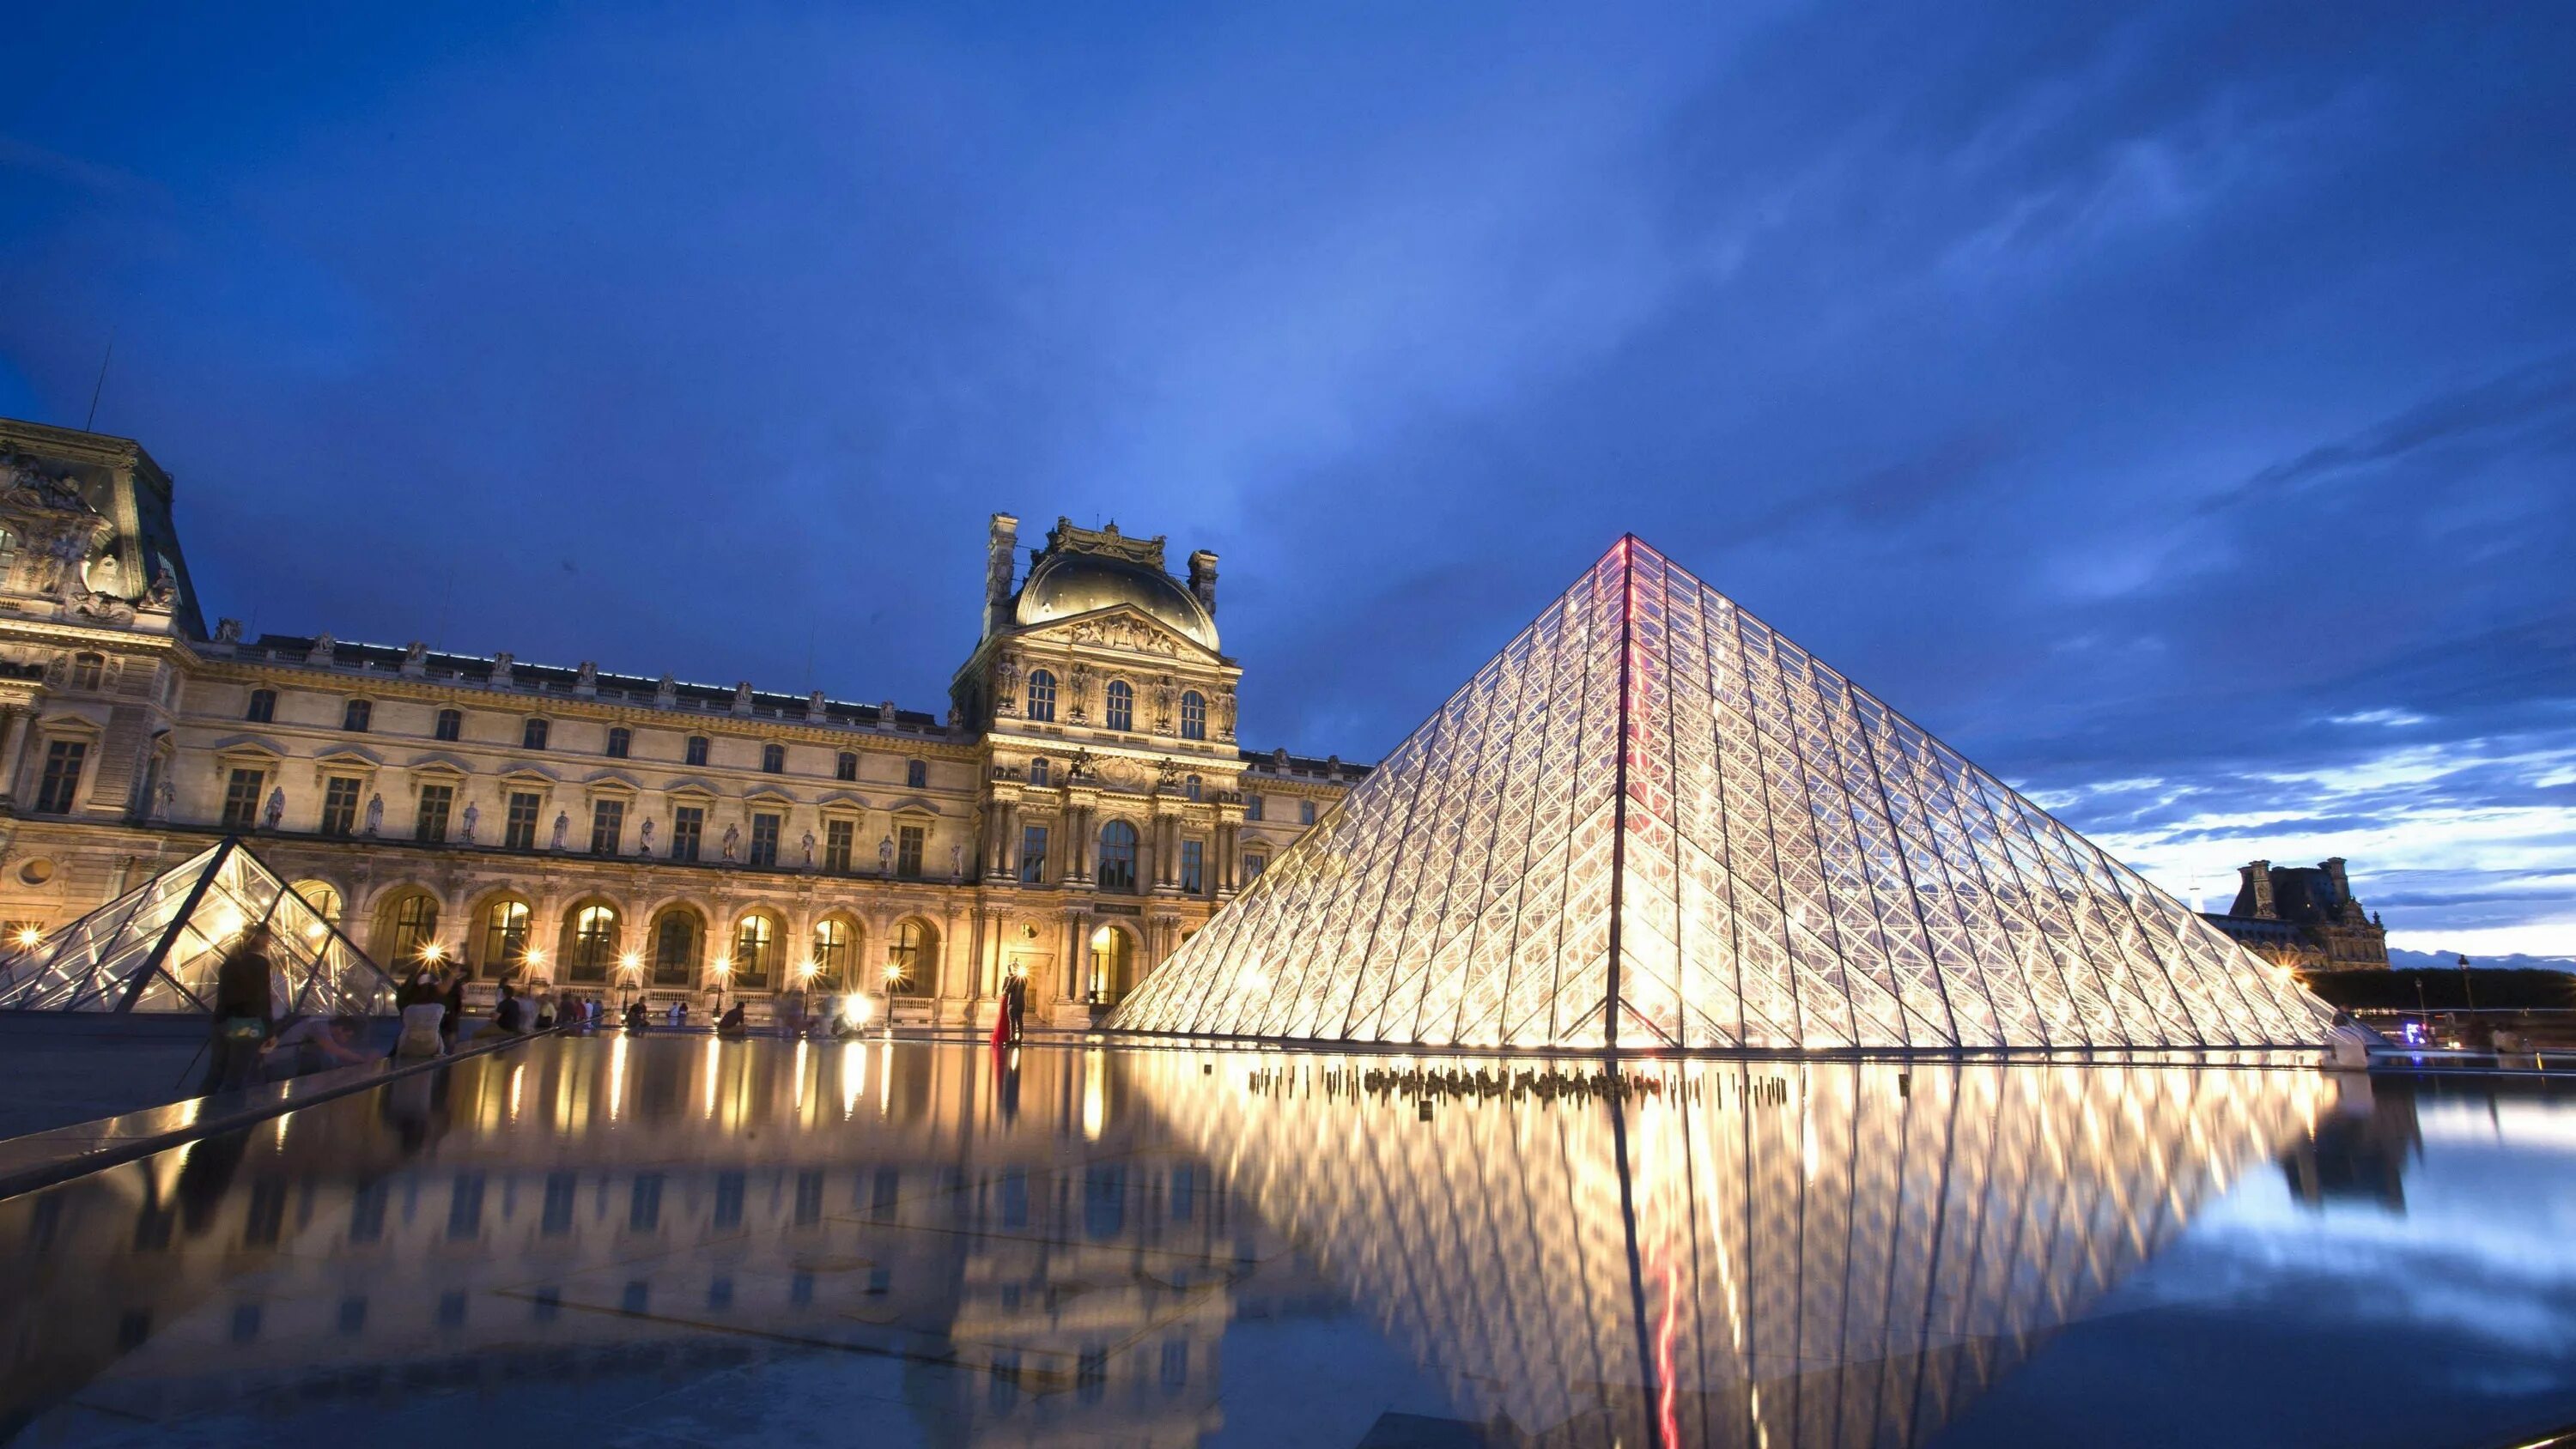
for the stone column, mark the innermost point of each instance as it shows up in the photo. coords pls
(13, 746)
(1077, 956)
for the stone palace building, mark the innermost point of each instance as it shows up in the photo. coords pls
(1080, 807)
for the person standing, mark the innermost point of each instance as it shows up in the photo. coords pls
(454, 1001)
(245, 1011)
(1015, 1004)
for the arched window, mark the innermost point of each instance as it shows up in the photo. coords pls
(532, 735)
(1193, 715)
(755, 949)
(1121, 709)
(773, 759)
(593, 944)
(88, 670)
(356, 715)
(620, 741)
(910, 958)
(675, 947)
(697, 750)
(1118, 856)
(323, 897)
(410, 925)
(833, 943)
(846, 767)
(1192, 788)
(1041, 696)
(1038, 770)
(263, 706)
(451, 723)
(505, 937)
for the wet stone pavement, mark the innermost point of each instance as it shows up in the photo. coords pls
(672, 1240)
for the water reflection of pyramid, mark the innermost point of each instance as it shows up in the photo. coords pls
(1838, 1253)
(1651, 821)
(156, 947)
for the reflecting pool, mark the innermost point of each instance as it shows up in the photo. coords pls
(673, 1240)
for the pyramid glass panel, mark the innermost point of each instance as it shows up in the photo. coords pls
(1652, 822)
(158, 947)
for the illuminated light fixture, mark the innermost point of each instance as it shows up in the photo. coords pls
(631, 961)
(534, 955)
(722, 965)
(1747, 851)
(854, 1009)
(29, 936)
(805, 970)
(432, 951)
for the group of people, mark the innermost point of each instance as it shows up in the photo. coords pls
(250, 1045)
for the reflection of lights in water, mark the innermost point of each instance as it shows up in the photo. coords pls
(800, 1078)
(518, 1079)
(616, 1075)
(1095, 1072)
(885, 1081)
(714, 1048)
(854, 1078)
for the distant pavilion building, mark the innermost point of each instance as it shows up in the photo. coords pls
(2303, 917)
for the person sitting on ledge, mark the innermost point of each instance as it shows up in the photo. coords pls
(511, 1015)
(316, 1043)
(635, 1017)
(732, 1023)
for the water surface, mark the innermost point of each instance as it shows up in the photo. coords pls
(672, 1240)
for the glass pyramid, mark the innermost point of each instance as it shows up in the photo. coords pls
(1653, 822)
(156, 947)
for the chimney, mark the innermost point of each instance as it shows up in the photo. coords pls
(2333, 867)
(2258, 884)
(1000, 544)
(1203, 580)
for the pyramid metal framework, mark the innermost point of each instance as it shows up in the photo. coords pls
(1652, 822)
(157, 947)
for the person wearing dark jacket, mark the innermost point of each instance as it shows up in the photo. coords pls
(454, 1001)
(511, 1015)
(245, 1012)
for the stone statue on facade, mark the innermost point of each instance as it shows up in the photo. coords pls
(732, 841)
(324, 653)
(1225, 712)
(885, 714)
(1006, 685)
(885, 855)
(1164, 695)
(163, 796)
(502, 663)
(415, 659)
(1077, 682)
(956, 862)
(228, 631)
(666, 692)
(742, 697)
(375, 814)
(644, 838)
(276, 811)
(809, 850)
(563, 825)
(164, 593)
(814, 708)
(472, 814)
(585, 680)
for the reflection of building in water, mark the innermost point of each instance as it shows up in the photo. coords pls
(664, 1205)
(2359, 1150)
(1775, 1254)
(1782, 1253)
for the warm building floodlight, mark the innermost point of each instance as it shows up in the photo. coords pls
(630, 961)
(28, 936)
(854, 1009)
(432, 952)
(1702, 836)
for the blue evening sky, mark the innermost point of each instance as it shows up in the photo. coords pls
(2172, 408)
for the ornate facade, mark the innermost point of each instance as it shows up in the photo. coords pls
(2303, 917)
(1080, 808)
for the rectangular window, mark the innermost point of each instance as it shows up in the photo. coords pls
(607, 826)
(435, 801)
(1193, 868)
(1305, 812)
(916, 775)
(764, 840)
(532, 735)
(620, 741)
(1252, 868)
(519, 829)
(1033, 848)
(697, 750)
(263, 706)
(63, 761)
(1251, 807)
(451, 723)
(340, 805)
(688, 827)
(839, 837)
(357, 716)
(241, 800)
(907, 851)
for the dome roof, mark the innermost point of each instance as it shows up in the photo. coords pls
(1066, 584)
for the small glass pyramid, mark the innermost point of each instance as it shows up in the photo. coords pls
(1653, 822)
(156, 947)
